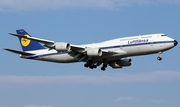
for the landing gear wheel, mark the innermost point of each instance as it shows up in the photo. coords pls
(91, 67)
(105, 65)
(94, 66)
(103, 68)
(159, 58)
(86, 65)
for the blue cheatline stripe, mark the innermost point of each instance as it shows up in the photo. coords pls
(34, 57)
(109, 47)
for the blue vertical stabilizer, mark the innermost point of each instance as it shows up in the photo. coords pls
(28, 45)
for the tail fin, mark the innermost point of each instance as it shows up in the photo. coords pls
(28, 45)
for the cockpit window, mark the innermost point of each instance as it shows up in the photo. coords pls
(163, 35)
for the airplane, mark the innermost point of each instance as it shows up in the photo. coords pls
(113, 53)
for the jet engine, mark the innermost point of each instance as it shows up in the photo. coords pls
(62, 46)
(121, 63)
(93, 52)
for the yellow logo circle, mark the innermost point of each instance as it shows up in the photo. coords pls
(24, 41)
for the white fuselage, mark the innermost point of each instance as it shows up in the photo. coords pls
(124, 47)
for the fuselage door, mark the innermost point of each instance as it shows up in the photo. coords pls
(151, 42)
(121, 44)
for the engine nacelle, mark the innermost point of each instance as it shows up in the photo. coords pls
(93, 52)
(121, 63)
(62, 46)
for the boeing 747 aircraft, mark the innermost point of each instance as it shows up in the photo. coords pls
(113, 53)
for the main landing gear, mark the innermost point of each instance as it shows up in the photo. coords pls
(90, 64)
(103, 68)
(159, 56)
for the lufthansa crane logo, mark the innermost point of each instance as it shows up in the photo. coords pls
(24, 41)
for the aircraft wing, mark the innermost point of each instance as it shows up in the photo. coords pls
(19, 52)
(74, 48)
(48, 43)
(33, 38)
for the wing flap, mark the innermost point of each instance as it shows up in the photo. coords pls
(19, 52)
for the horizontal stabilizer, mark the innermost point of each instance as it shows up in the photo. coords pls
(19, 52)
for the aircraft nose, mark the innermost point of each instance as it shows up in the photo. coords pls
(175, 42)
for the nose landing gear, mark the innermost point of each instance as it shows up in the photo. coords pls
(159, 56)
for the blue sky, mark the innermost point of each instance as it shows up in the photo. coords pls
(147, 83)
